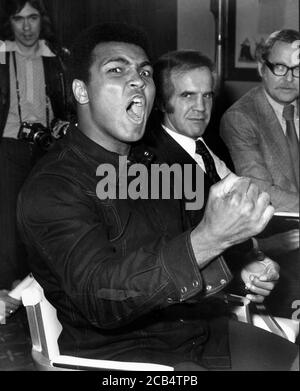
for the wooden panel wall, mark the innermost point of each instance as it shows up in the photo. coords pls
(157, 17)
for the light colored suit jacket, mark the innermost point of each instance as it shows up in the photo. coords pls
(259, 149)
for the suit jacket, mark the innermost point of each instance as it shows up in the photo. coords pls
(259, 148)
(167, 150)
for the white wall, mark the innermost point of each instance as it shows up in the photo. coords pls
(196, 30)
(195, 26)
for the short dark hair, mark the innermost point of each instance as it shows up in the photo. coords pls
(264, 49)
(12, 7)
(82, 49)
(178, 61)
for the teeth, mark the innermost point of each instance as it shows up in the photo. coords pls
(137, 101)
(136, 108)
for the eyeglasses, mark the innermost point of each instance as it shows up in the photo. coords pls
(281, 69)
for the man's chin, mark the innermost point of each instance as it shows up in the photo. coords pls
(286, 98)
(29, 43)
(198, 132)
(133, 135)
(136, 130)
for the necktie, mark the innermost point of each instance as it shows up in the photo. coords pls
(292, 139)
(208, 161)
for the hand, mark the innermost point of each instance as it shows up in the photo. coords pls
(280, 243)
(11, 305)
(260, 278)
(235, 211)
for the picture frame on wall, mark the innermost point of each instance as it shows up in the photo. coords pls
(249, 23)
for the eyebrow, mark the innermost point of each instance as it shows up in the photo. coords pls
(125, 61)
(187, 92)
(282, 63)
(195, 92)
(23, 17)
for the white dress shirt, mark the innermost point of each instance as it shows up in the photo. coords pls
(278, 109)
(189, 145)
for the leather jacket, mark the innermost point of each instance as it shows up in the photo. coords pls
(116, 292)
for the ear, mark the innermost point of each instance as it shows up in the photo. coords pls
(260, 68)
(160, 106)
(80, 92)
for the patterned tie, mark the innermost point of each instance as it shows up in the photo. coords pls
(208, 161)
(292, 139)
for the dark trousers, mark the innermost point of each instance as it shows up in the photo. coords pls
(15, 165)
(254, 349)
(251, 349)
(285, 299)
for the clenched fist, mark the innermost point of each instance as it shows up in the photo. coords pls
(235, 211)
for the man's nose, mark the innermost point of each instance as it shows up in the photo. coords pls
(136, 80)
(289, 76)
(199, 103)
(26, 24)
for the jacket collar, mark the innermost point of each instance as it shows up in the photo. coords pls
(85, 146)
(43, 49)
(165, 148)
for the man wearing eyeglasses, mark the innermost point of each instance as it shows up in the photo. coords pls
(261, 131)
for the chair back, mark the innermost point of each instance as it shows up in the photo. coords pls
(44, 326)
(45, 329)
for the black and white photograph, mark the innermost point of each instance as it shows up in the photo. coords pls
(149, 191)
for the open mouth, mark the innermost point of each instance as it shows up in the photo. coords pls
(136, 109)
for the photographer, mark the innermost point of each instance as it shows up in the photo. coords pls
(32, 98)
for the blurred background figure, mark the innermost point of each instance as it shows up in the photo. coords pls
(32, 99)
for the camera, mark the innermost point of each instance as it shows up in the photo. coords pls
(35, 133)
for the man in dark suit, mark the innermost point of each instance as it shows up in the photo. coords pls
(261, 131)
(185, 86)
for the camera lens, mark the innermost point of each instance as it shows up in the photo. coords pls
(43, 140)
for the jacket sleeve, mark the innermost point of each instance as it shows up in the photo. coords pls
(238, 133)
(71, 242)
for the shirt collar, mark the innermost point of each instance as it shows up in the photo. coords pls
(187, 143)
(43, 49)
(80, 141)
(278, 108)
(138, 152)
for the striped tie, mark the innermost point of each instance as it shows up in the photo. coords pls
(292, 139)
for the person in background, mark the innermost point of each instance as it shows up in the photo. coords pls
(179, 122)
(128, 280)
(32, 96)
(261, 131)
